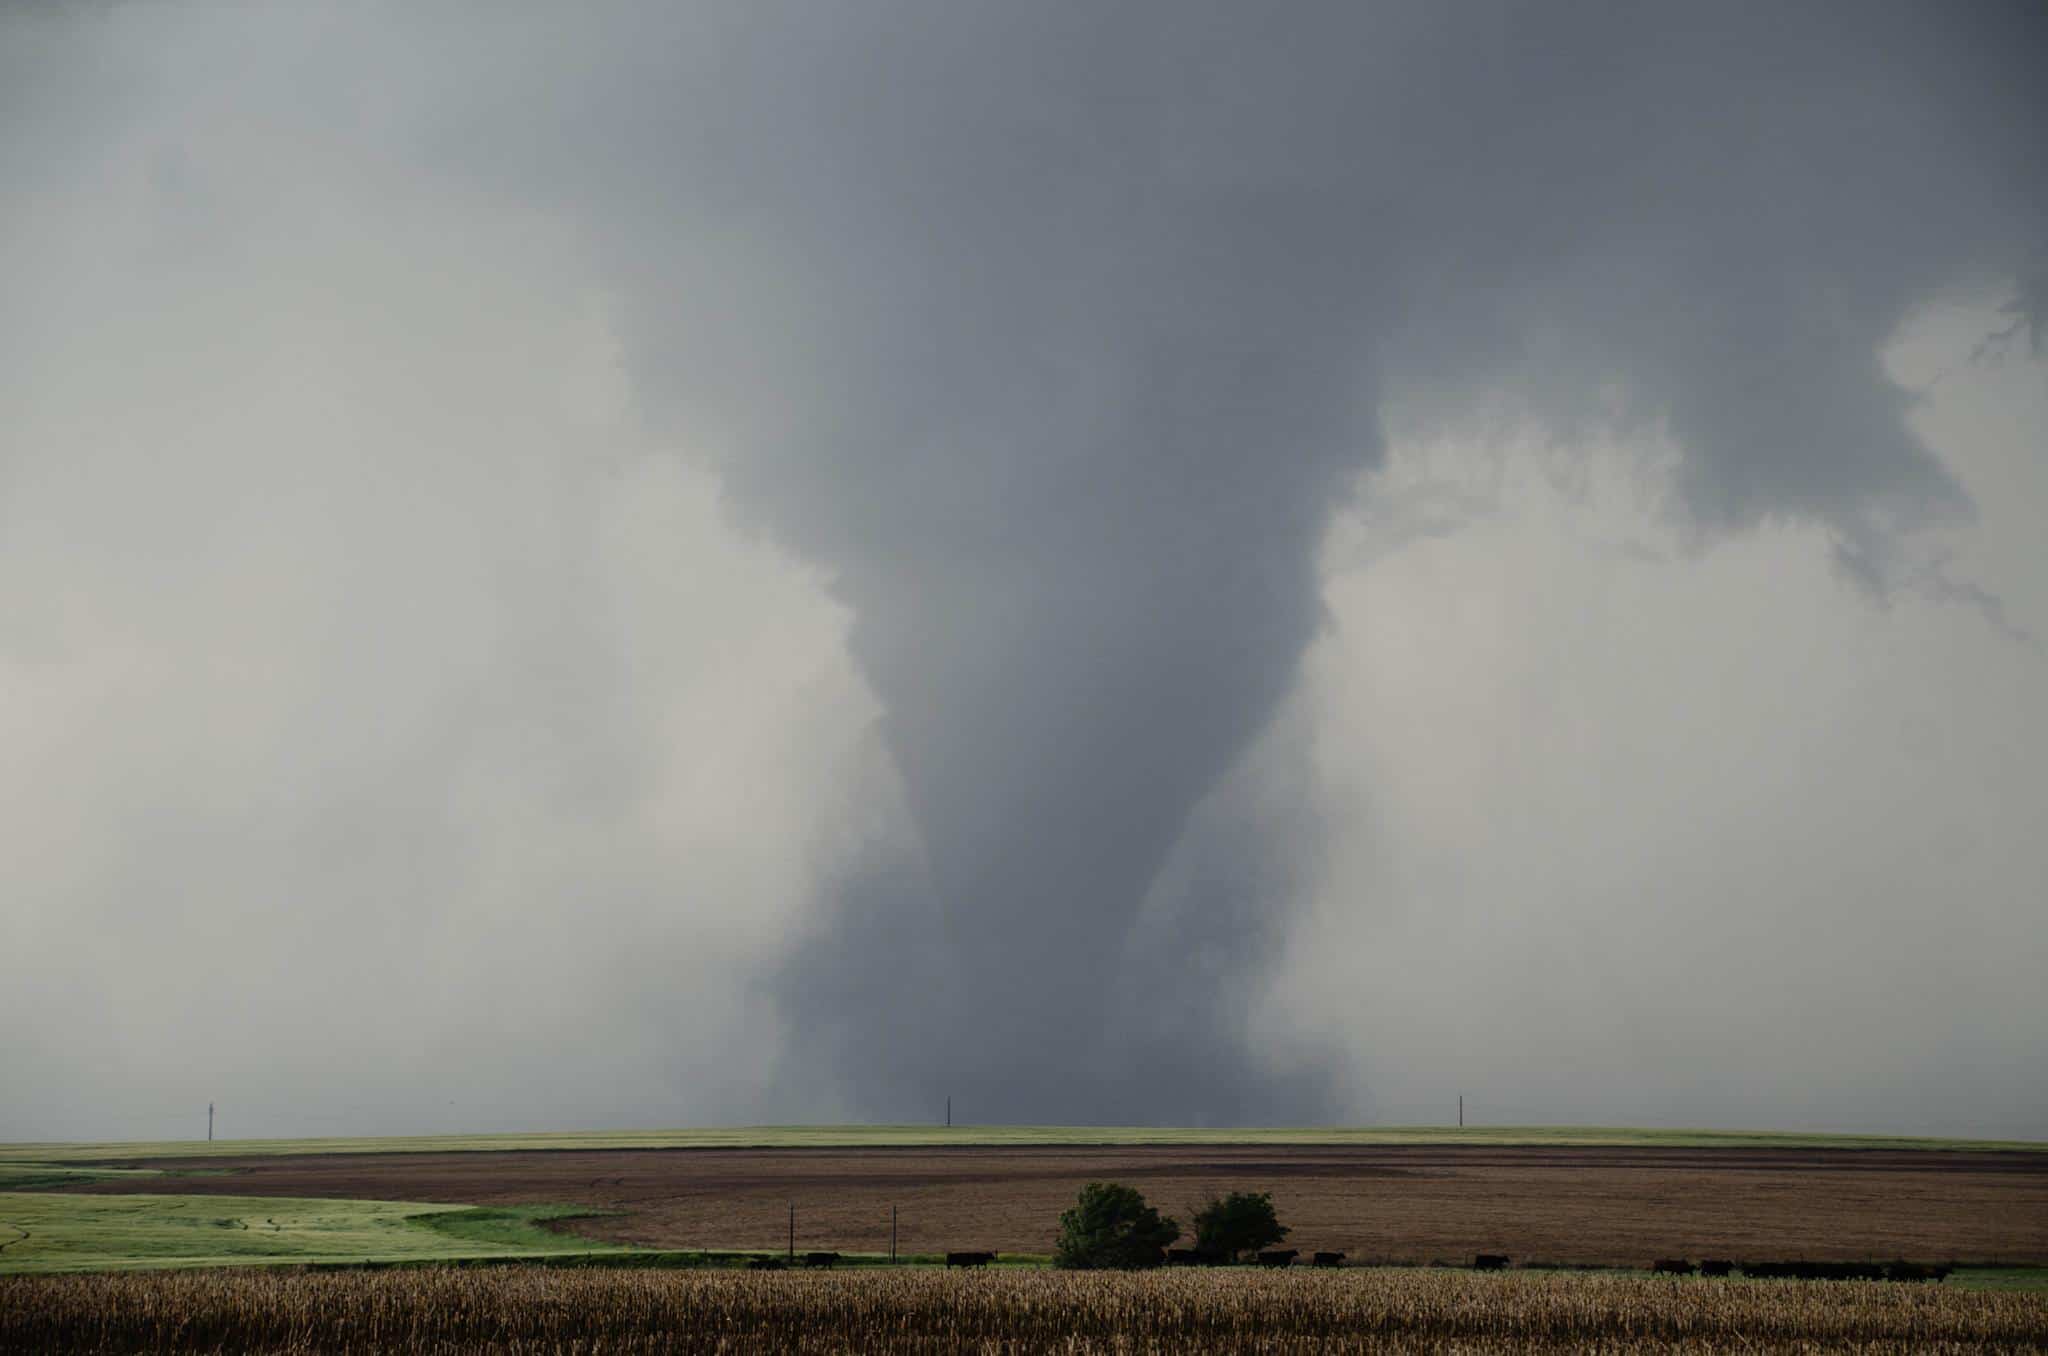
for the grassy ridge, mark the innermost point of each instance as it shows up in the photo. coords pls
(49, 1233)
(924, 1136)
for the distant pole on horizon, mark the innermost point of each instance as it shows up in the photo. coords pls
(949, 1111)
(209, 1122)
(1461, 1111)
(892, 1233)
(792, 1231)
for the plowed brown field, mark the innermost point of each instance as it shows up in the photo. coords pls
(1405, 1203)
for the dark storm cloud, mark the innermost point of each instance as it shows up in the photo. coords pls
(1056, 332)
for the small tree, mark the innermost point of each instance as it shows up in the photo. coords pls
(1241, 1222)
(1111, 1228)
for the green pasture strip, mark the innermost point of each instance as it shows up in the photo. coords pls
(1019, 1136)
(29, 1175)
(700, 1259)
(43, 1232)
(2001, 1278)
(515, 1226)
(48, 1233)
(2029, 1279)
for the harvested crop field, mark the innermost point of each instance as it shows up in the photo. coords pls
(1622, 1205)
(444, 1310)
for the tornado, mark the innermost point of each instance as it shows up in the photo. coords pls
(1055, 334)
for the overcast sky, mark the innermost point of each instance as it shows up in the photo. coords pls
(633, 565)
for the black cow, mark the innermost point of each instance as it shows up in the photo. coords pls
(1278, 1258)
(1329, 1259)
(1489, 1261)
(1716, 1266)
(820, 1259)
(1672, 1266)
(969, 1259)
(1915, 1271)
(764, 1264)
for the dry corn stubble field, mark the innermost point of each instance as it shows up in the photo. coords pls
(452, 1310)
(1622, 1205)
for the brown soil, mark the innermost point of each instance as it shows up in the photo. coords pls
(1406, 1203)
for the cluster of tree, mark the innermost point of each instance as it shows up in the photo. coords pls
(1113, 1228)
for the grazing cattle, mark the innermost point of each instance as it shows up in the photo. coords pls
(1279, 1258)
(1329, 1259)
(969, 1259)
(820, 1259)
(1672, 1266)
(1914, 1271)
(1185, 1257)
(764, 1264)
(1489, 1261)
(1716, 1266)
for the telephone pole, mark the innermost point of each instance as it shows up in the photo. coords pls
(209, 1122)
(1461, 1111)
(792, 1231)
(892, 1234)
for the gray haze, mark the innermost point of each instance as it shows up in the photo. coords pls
(725, 561)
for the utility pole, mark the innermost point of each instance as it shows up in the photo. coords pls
(949, 1111)
(1461, 1111)
(209, 1122)
(792, 1231)
(892, 1235)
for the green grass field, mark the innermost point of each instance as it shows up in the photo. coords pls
(917, 1136)
(31, 1175)
(42, 1232)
